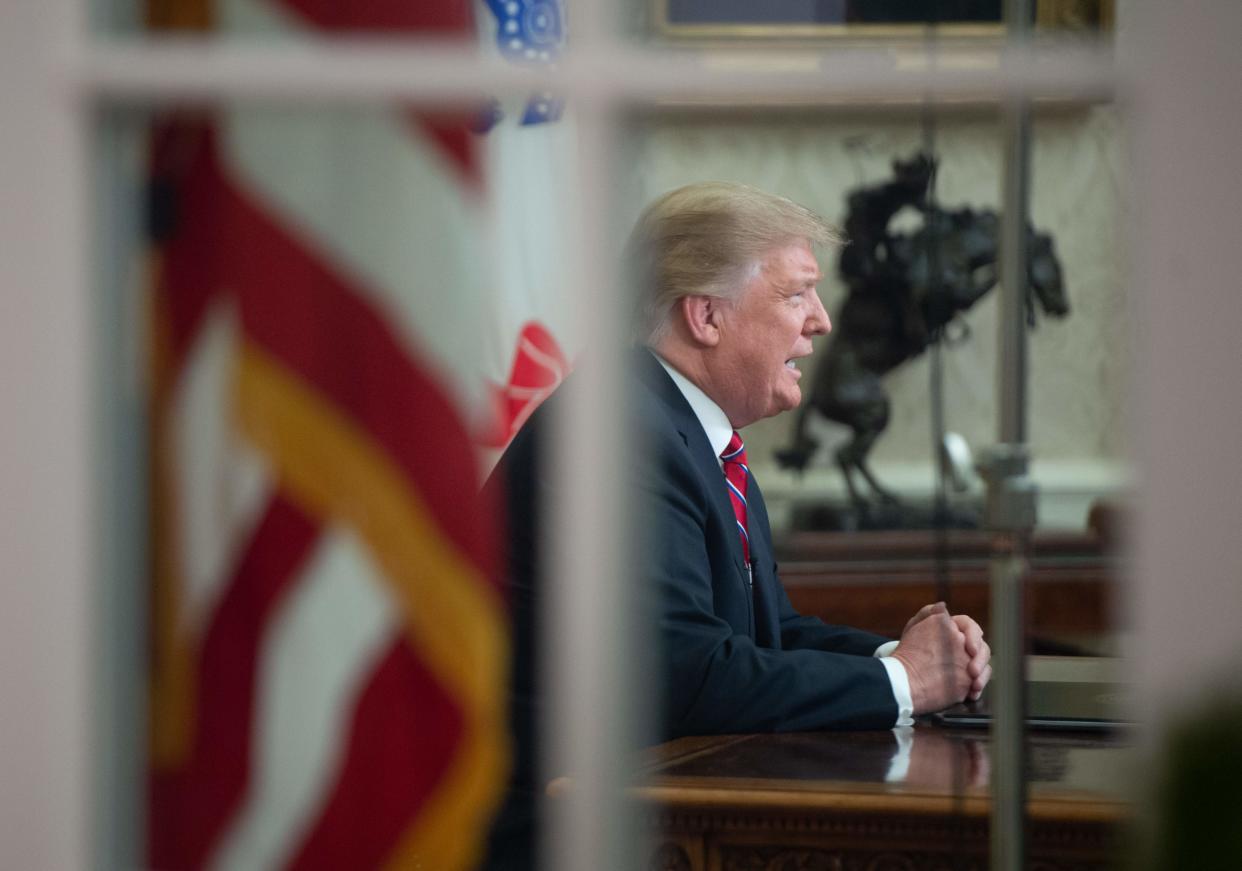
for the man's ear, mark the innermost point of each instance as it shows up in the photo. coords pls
(702, 317)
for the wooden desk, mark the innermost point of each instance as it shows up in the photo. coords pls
(823, 802)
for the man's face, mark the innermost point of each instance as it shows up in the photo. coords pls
(764, 332)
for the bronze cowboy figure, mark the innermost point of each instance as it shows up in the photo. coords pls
(904, 290)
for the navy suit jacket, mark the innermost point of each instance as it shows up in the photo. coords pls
(734, 659)
(731, 658)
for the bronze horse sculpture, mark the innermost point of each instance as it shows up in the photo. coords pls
(903, 292)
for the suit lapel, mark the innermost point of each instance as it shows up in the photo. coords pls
(705, 460)
(766, 630)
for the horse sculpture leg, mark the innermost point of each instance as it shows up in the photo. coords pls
(847, 474)
(884, 493)
(868, 419)
(799, 453)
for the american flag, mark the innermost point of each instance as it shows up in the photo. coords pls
(328, 640)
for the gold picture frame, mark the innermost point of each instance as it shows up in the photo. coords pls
(1058, 15)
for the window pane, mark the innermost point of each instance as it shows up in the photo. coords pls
(867, 392)
(329, 333)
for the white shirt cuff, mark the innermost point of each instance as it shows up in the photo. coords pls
(900, 682)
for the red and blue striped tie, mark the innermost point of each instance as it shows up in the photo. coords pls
(736, 473)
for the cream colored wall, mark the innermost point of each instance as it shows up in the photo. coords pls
(1077, 379)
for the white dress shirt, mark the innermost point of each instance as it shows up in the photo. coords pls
(716, 426)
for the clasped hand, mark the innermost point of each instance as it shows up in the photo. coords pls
(945, 657)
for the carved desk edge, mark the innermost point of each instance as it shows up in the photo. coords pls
(743, 797)
(696, 833)
(752, 824)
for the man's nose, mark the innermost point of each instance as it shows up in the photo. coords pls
(818, 324)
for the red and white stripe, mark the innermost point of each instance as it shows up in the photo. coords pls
(307, 723)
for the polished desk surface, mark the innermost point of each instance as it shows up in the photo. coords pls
(847, 799)
(1070, 775)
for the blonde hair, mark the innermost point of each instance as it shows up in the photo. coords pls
(709, 239)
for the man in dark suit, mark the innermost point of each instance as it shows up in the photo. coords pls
(727, 303)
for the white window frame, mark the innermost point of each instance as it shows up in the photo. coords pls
(56, 77)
